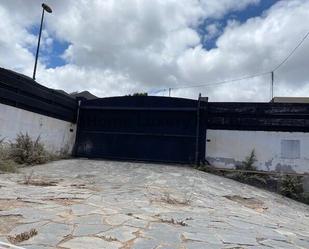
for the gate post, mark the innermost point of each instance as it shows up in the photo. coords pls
(79, 102)
(197, 156)
(199, 125)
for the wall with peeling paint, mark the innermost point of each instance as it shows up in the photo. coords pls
(227, 148)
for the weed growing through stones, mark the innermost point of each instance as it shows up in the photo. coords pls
(109, 238)
(291, 186)
(22, 236)
(176, 222)
(29, 179)
(169, 199)
(250, 177)
(26, 151)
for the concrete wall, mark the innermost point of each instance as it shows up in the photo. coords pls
(275, 151)
(57, 135)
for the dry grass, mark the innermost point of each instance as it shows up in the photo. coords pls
(41, 183)
(168, 196)
(27, 151)
(109, 238)
(30, 180)
(175, 222)
(22, 236)
(65, 201)
(7, 165)
(252, 203)
(174, 200)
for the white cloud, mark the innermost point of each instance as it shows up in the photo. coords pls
(124, 46)
(255, 46)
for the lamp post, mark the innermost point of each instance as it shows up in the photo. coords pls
(45, 7)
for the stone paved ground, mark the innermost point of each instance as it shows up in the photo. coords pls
(101, 204)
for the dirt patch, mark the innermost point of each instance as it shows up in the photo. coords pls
(79, 185)
(65, 201)
(39, 182)
(90, 186)
(248, 202)
(8, 222)
(31, 179)
(8, 204)
(22, 236)
(42, 183)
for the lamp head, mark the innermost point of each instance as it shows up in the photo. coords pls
(47, 8)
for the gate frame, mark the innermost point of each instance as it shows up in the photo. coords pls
(201, 124)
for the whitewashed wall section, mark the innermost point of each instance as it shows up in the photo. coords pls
(57, 135)
(275, 151)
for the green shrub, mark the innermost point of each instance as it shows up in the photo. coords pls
(6, 164)
(248, 164)
(26, 151)
(304, 197)
(291, 186)
(255, 179)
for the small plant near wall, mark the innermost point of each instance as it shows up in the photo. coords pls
(7, 165)
(288, 185)
(27, 151)
(291, 186)
(250, 177)
(248, 164)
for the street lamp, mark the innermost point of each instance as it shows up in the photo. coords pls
(45, 7)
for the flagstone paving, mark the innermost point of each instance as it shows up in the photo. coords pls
(103, 204)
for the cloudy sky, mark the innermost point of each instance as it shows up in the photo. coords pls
(118, 47)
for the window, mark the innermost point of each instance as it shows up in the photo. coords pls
(290, 149)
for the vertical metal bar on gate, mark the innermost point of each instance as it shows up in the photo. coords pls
(197, 138)
(77, 128)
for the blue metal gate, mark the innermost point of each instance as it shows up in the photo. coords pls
(142, 128)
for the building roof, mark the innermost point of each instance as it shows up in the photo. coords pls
(290, 100)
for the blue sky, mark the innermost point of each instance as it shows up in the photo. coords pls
(52, 56)
(240, 16)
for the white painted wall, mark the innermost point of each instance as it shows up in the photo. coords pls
(55, 134)
(228, 148)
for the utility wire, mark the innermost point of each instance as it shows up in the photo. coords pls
(224, 81)
(212, 83)
(291, 53)
(240, 78)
